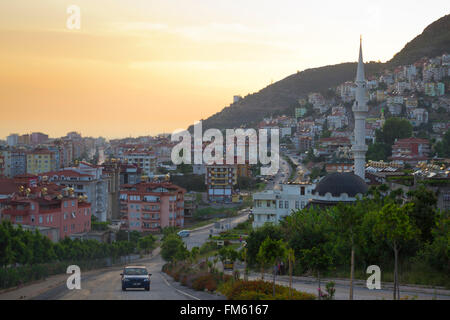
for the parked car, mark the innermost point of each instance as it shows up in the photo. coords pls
(184, 233)
(135, 277)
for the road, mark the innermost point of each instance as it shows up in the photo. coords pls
(105, 284)
(282, 176)
(200, 235)
(360, 290)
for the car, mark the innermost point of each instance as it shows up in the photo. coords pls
(135, 277)
(184, 233)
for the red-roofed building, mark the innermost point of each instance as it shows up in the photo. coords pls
(86, 180)
(68, 215)
(410, 150)
(44, 206)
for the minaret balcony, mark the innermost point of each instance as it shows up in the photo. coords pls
(359, 148)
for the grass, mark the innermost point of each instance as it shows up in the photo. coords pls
(199, 224)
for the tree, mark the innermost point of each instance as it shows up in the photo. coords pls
(317, 260)
(437, 253)
(271, 252)
(256, 238)
(348, 220)
(378, 151)
(195, 253)
(395, 227)
(395, 128)
(147, 243)
(291, 260)
(424, 211)
(173, 249)
(443, 147)
(243, 257)
(6, 253)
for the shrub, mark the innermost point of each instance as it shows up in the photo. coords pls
(205, 281)
(261, 290)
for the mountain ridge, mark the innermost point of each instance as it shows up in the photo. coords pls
(282, 95)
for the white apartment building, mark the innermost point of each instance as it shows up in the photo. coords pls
(146, 160)
(272, 205)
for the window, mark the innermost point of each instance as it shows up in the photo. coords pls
(65, 204)
(32, 206)
(73, 215)
(19, 219)
(40, 219)
(32, 218)
(268, 203)
(296, 204)
(280, 204)
(73, 203)
(65, 215)
(286, 204)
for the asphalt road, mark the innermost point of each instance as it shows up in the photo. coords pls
(106, 285)
(200, 235)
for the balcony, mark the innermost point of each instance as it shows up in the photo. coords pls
(16, 212)
(49, 210)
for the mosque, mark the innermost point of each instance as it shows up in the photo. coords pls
(347, 186)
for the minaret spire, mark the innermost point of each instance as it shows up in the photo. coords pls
(360, 110)
(360, 71)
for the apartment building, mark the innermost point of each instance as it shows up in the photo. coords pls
(219, 180)
(144, 159)
(273, 205)
(45, 207)
(410, 150)
(40, 160)
(150, 206)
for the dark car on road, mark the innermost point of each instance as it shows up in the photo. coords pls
(135, 277)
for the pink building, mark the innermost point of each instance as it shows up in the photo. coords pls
(67, 215)
(44, 206)
(149, 206)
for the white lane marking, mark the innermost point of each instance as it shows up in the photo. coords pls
(182, 292)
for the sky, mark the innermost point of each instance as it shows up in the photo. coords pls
(143, 67)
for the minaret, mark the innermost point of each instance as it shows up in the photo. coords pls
(360, 109)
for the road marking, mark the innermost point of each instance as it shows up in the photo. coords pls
(186, 294)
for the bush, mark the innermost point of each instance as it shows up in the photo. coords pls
(205, 281)
(261, 290)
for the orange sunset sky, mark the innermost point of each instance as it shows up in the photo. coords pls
(140, 67)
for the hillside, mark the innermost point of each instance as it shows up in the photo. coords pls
(432, 42)
(281, 97)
